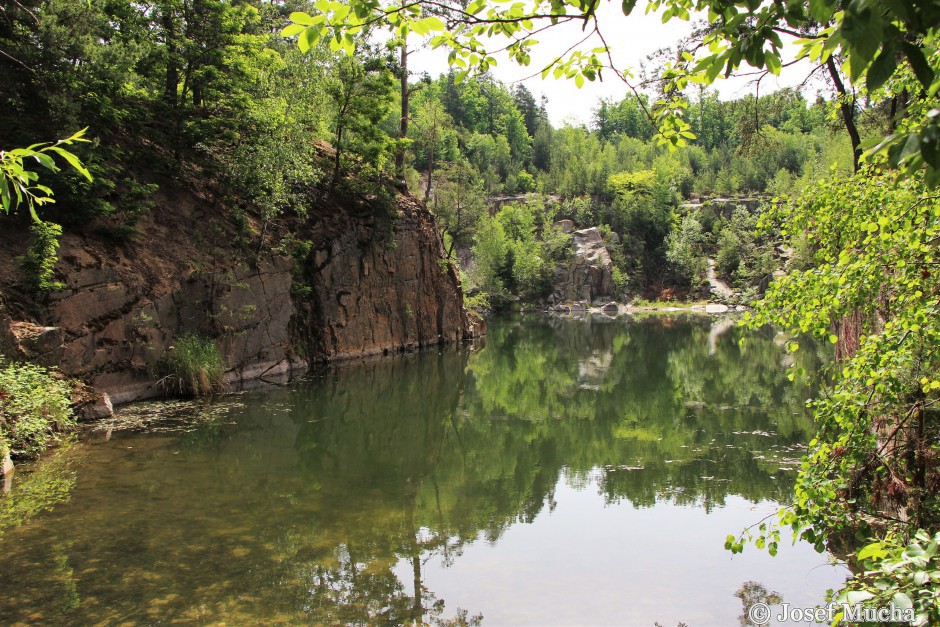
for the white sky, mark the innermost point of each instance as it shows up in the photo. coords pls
(631, 40)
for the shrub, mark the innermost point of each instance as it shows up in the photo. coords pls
(34, 408)
(195, 366)
(525, 182)
(556, 244)
(684, 250)
(900, 573)
(39, 262)
(729, 256)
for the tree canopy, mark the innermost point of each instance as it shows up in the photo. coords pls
(870, 40)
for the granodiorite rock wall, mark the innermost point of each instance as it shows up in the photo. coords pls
(368, 285)
(374, 295)
(588, 274)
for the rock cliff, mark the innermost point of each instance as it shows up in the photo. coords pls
(371, 281)
(588, 274)
(371, 295)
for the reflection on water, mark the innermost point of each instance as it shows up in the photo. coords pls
(568, 471)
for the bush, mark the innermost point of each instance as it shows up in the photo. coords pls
(196, 366)
(900, 573)
(684, 250)
(729, 257)
(556, 244)
(39, 262)
(525, 182)
(34, 409)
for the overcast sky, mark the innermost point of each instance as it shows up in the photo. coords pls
(631, 40)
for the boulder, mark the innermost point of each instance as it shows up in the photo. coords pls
(566, 226)
(97, 408)
(37, 341)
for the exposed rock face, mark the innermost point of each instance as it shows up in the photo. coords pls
(588, 274)
(116, 335)
(566, 226)
(8, 343)
(368, 287)
(372, 296)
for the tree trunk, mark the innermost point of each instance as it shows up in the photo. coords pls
(848, 112)
(6, 468)
(427, 189)
(403, 122)
(172, 78)
(336, 158)
(340, 128)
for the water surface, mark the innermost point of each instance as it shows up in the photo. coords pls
(568, 472)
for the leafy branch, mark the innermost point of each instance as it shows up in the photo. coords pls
(19, 184)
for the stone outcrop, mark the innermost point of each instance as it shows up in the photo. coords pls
(726, 206)
(369, 284)
(116, 335)
(8, 343)
(587, 275)
(371, 296)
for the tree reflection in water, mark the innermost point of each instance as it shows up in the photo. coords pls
(310, 503)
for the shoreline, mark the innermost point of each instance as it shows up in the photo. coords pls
(614, 310)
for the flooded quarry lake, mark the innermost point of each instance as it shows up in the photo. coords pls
(565, 472)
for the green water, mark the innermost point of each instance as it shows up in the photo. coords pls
(567, 472)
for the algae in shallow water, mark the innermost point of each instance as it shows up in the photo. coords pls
(167, 416)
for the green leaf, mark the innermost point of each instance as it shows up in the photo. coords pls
(292, 30)
(773, 64)
(861, 30)
(308, 39)
(299, 17)
(5, 198)
(46, 161)
(919, 63)
(73, 161)
(434, 23)
(881, 68)
(902, 601)
(874, 549)
(821, 10)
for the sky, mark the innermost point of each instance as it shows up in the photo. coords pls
(631, 40)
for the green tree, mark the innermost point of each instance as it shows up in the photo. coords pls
(360, 92)
(685, 251)
(459, 204)
(431, 124)
(870, 290)
(627, 117)
(490, 252)
(870, 38)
